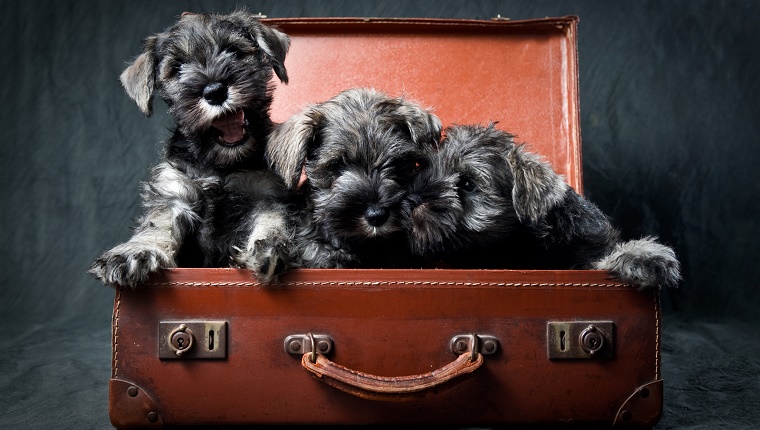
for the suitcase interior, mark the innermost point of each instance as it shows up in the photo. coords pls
(522, 74)
(394, 323)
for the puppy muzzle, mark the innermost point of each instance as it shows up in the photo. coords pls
(231, 128)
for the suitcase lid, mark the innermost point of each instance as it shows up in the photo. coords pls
(522, 74)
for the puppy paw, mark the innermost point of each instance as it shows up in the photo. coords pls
(643, 263)
(266, 260)
(129, 265)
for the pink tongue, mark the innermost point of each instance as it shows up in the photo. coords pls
(231, 126)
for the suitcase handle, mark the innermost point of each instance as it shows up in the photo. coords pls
(398, 388)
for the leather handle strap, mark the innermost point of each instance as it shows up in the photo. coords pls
(395, 388)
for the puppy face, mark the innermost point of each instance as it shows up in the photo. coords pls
(464, 197)
(359, 152)
(214, 72)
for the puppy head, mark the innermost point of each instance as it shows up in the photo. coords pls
(359, 152)
(464, 196)
(214, 73)
(478, 186)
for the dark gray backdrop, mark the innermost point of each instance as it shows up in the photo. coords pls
(670, 127)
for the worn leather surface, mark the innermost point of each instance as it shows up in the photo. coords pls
(391, 388)
(389, 323)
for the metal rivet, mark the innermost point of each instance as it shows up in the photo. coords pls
(644, 392)
(152, 417)
(323, 346)
(132, 391)
(295, 346)
(461, 346)
(489, 346)
(626, 415)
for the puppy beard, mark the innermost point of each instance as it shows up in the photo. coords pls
(355, 209)
(434, 212)
(229, 131)
(445, 221)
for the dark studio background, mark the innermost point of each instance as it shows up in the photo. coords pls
(670, 128)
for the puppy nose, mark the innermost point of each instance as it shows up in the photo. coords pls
(215, 93)
(376, 216)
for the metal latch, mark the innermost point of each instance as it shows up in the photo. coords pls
(478, 343)
(299, 344)
(302, 343)
(580, 339)
(192, 339)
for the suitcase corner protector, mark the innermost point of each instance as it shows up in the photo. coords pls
(130, 406)
(643, 408)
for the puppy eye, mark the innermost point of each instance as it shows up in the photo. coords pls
(412, 167)
(235, 51)
(173, 70)
(336, 166)
(417, 167)
(466, 184)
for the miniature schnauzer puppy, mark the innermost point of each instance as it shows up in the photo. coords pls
(486, 202)
(211, 199)
(350, 161)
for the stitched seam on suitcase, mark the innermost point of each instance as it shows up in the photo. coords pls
(115, 340)
(656, 337)
(381, 283)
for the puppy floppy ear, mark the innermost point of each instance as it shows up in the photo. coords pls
(275, 45)
(139, 78)
(273, 42)
(289, 143)
(424, 126)
(536, 188)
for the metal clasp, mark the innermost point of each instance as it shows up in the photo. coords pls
(299, 344)
(580, 339)
(192, 339)
(474, 344)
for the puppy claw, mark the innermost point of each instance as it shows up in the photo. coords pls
(643, 263)
(267, 260)
(129, 266)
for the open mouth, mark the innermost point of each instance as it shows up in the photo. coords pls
(232, 128)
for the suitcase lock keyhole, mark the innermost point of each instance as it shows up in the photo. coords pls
(181, 339)
(591, 340)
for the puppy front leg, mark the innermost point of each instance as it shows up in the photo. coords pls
(168, 199)
(314, 253)
(264, 244)
(644, 263)
(572, 230)
(576, 232)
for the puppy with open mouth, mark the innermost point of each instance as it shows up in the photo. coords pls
(211, 201)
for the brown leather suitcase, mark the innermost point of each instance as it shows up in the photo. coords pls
(449, 347)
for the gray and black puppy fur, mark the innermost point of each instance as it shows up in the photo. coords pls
(349, 162)
(485, 202)
(211, 201)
